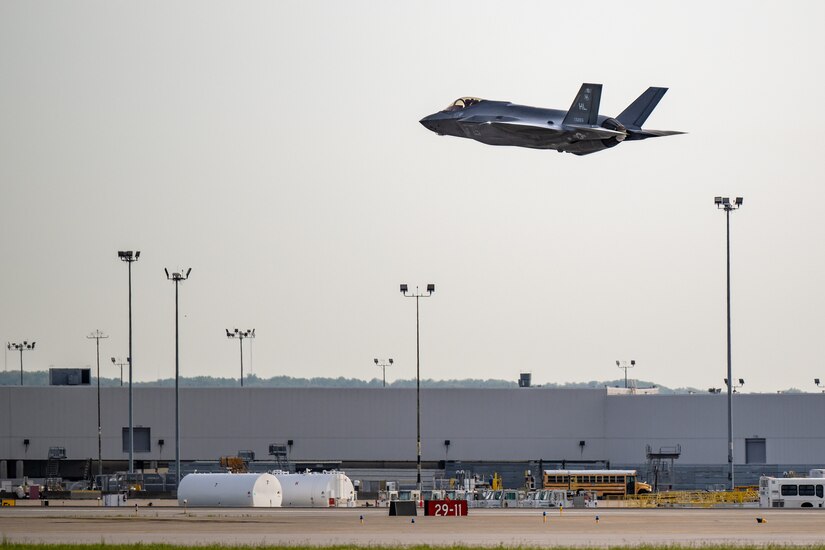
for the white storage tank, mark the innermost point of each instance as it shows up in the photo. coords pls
(316, 490)
(230, 490)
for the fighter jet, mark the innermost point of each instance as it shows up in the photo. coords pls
(581, 130)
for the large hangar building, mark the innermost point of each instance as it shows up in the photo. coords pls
(482, 430)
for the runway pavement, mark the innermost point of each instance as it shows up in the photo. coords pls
(256, 526)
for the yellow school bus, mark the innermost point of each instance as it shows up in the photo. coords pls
(602, 482)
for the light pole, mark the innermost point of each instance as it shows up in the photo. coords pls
(741, 383)
(723, 203)
(21, 347)
(177, 278)
(625, 366)
(383, 370)
(240, 335)
(130, 257)
(818, 385)
(97, 335)
(405, 291)
(120, 364)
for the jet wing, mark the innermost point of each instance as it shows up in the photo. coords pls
(515, 125)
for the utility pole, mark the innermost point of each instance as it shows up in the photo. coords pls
(97, 336)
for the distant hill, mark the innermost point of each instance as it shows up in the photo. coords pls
(41, 378)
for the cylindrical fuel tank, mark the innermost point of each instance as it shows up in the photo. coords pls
(230, 490)
(316, 490)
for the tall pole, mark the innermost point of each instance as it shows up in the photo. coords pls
(177, 391)
(417, 295)
(131, 409)
(97, 335)
(724, 203)
(241, 362)
(129, 257)
(730, 377)
(417, 399)
(177, 278)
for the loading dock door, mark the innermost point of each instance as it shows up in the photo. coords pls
(755, 451)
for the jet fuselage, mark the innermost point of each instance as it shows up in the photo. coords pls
(579, 130)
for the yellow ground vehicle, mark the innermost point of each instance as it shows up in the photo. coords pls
(602, 482)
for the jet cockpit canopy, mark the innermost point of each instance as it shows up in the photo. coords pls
(462, 102)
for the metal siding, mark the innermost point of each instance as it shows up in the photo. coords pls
(379, 423)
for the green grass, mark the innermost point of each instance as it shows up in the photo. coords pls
(140, 546)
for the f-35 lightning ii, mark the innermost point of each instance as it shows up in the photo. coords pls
(580, 130)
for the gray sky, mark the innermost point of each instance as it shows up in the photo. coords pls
(274, 147)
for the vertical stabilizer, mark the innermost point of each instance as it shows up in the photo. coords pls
(637, 112)
(585, 108)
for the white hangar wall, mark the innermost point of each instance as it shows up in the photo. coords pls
(379, 424)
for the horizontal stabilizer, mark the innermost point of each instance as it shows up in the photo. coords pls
(637, 112)
(644, 134)
(585, 108)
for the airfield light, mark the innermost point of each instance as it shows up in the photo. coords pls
(97, 336)
(240, 335)
(383, 370)
(177, 278)
(25, 345)
(129, 257)
(625, 366)
(728, 207)
(417, 295)
(717, 200)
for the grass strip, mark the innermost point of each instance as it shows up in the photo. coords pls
(7, 545)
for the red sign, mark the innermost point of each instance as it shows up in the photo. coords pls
(445, 507)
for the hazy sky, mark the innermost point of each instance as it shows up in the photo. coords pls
(274, 147)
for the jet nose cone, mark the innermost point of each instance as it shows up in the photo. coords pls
(430, 122)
